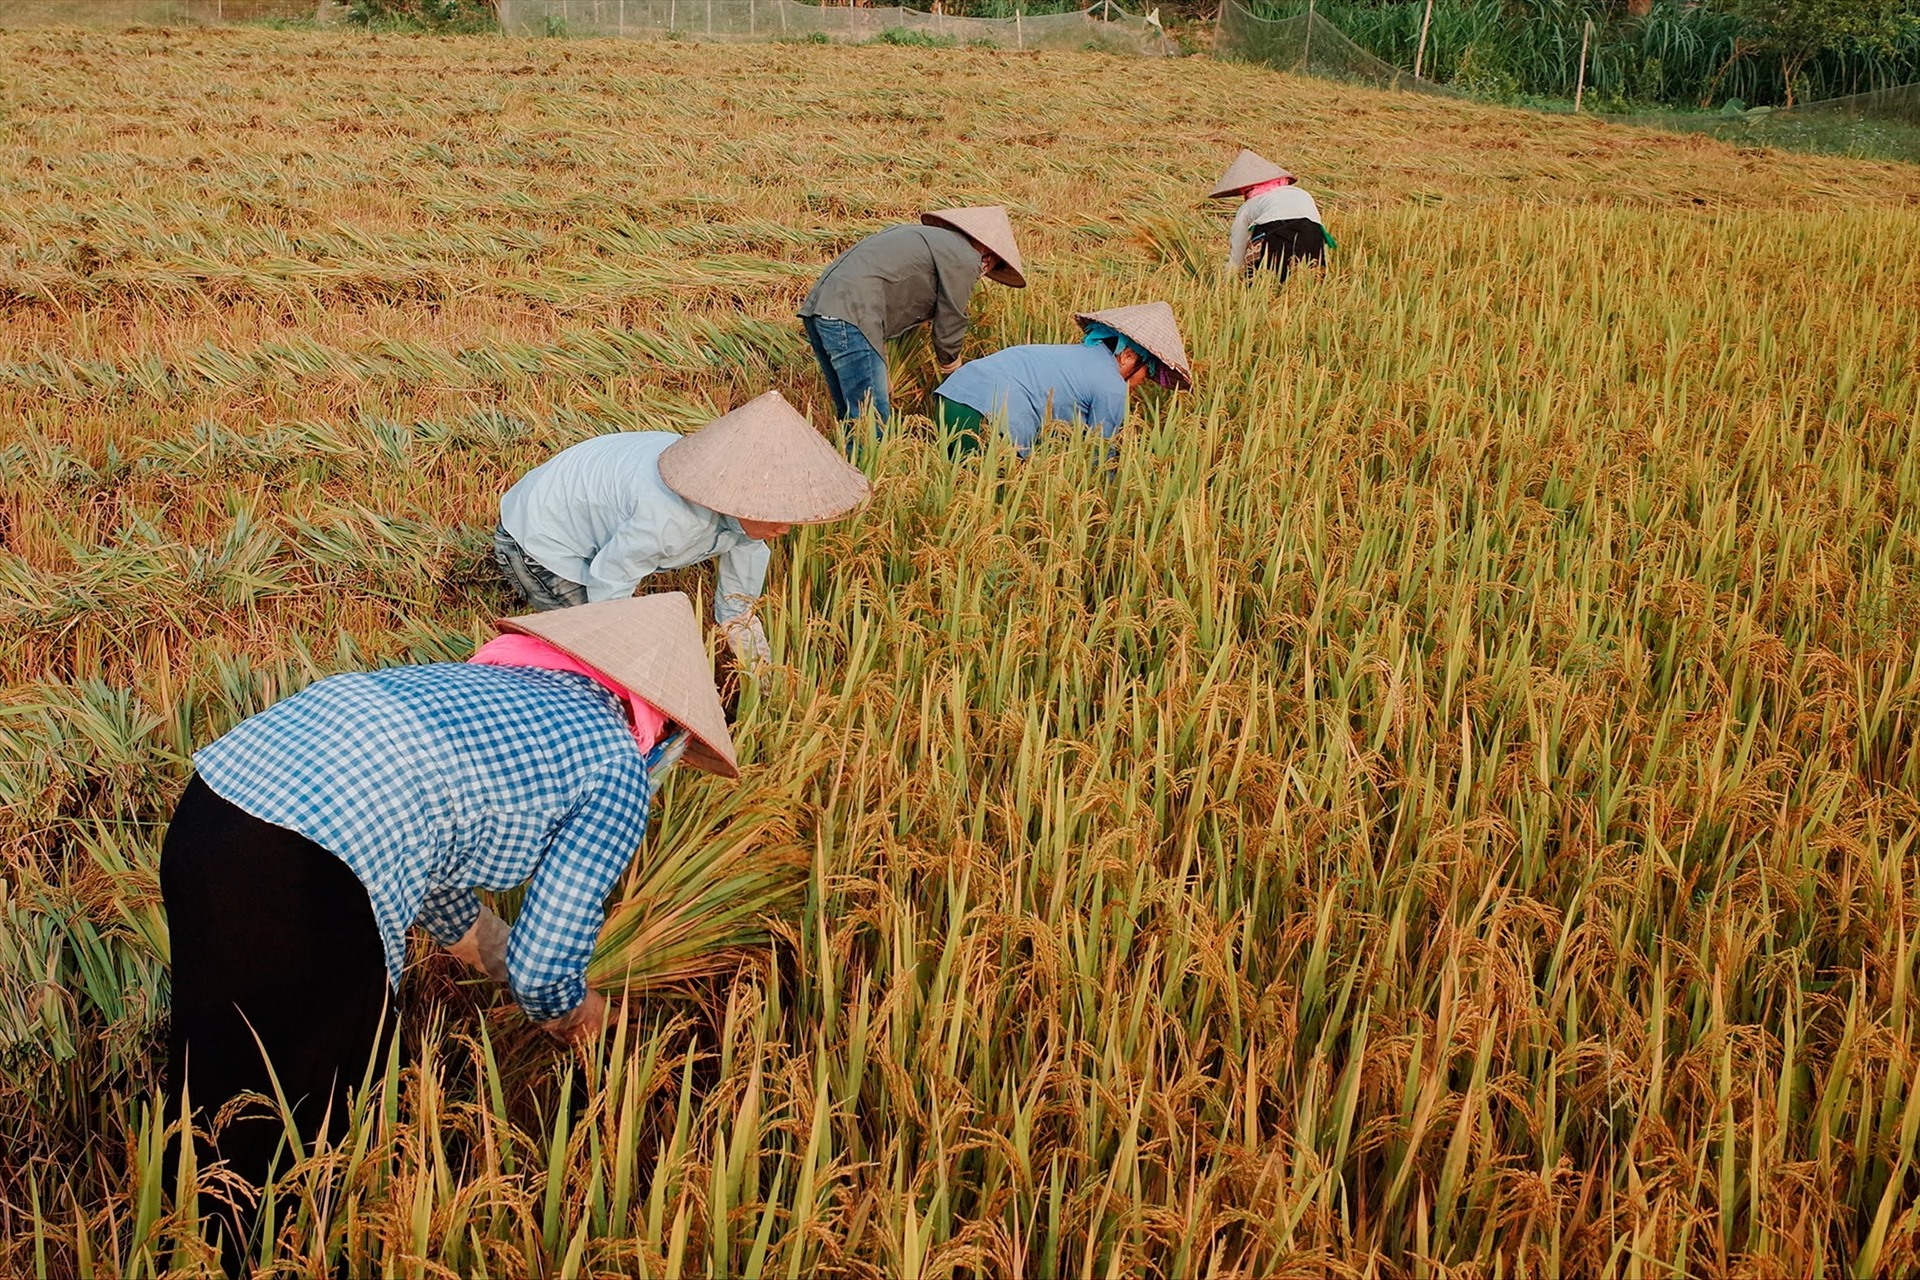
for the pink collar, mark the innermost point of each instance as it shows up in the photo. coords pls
(1260, 189)
(516, 650)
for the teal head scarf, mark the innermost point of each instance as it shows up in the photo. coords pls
(1106, 335)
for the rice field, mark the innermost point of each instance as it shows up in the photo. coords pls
(1441, 804)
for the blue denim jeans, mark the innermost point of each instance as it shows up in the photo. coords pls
(856, 374)
(530, 579)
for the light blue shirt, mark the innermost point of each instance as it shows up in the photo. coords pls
(599, 514)
(430, 781)
(1025, 386)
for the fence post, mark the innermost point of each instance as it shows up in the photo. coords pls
(1306, 50)
(709, 17)
(1580, 87)
(1420, 54)
(753, 19)
(623, 19)
(1019, 36)
(673, 15)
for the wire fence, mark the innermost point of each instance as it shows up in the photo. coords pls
(1901, 102)
(1307, 44)
(1680, 55)
(1105, 26)
(156, 13)
(1881, 125)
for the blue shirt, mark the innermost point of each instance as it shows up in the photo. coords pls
(599, 514)
(1025, 386)
(430, 781)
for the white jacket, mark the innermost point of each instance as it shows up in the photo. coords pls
(1278, 205)
(599, 514)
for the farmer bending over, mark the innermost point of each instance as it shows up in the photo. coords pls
(1277, 226)
(594, 520)
(318, 831)
(1088, 383)
(894, 280)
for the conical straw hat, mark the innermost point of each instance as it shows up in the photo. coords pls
(651, 645)
(1151, 324)
(987, 226)
(1247, 170)
(763, 462)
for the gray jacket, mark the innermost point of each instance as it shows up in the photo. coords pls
(898, 278)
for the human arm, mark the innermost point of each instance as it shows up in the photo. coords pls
(633, 552)
(1241, 237)
(483, 947)
(449, 912)
(467, 927)
(741, 577)
(956, 271)
(581, 1023)
(1105, 409)
(560, 917)
(585, 1019)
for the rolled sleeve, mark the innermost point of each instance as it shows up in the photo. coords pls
(740, 579)
(448, 911)
(565, 905)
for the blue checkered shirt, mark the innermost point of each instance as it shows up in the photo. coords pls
(431, 781)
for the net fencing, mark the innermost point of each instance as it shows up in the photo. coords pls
(1901, 102)
(1105, 26)
(1308, 44)
(1881, 125)
(156, 13)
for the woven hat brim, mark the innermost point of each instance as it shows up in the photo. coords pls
(676, 676)
(815, 505)
(1003, 273)
(1007, 268)
(1221, 192)
(764, 462)
(1173, 360)
(715, 497)
(1248, 169)
(702, 757)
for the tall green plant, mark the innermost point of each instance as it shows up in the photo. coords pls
(424, 15)
(1792, 33)
(1682, 55)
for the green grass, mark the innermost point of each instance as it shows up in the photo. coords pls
(1834, 133)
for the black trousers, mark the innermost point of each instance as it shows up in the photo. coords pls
(276, 960)
(1276, 246)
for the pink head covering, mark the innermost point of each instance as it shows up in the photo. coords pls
(1271, 184)
(516, 650)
